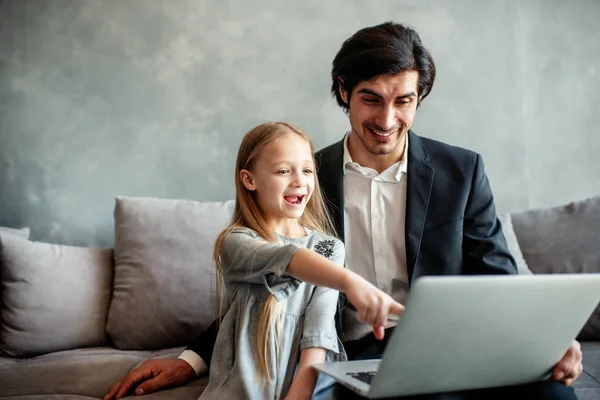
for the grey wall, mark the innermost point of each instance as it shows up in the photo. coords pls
(151, 98)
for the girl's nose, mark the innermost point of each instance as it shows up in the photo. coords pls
(298, 180)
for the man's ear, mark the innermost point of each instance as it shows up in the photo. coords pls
(343, 92)
(247, 180)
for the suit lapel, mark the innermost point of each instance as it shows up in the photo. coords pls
(330, 163)
(419, 184)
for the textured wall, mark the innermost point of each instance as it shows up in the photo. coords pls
(150, 97)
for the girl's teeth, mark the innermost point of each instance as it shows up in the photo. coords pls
(294, 199)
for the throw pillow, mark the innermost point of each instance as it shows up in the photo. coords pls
(563, 239)
(54, 297)
(513, 243)
(164, 286)
(22, 232)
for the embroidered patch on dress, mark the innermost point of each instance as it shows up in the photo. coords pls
(325, 248)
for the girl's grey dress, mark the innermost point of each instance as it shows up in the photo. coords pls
(254, 268)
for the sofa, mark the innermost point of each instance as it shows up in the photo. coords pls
(74, 320)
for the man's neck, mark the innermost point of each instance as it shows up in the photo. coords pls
(378, 162)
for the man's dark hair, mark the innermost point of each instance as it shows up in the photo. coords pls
(385, 49)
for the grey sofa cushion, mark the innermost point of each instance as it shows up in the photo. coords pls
(21, 232)
(513, 243)
(563, 239)
(591, 359)
(84, 372)
(164, 286)
(54, 297)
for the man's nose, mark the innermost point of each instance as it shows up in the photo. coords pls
(387, 118)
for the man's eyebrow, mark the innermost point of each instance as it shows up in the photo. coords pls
(372, 93)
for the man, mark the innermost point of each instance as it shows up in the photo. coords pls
(405, 206)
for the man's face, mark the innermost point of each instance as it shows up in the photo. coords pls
(381, 111)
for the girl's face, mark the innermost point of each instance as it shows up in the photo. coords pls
(283, 178)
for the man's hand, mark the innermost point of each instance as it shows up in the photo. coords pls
(151, 376)
(372, 305)
(569, 367)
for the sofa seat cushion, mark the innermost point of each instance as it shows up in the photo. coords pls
(587, 387)
(84, 372)
(591, 358)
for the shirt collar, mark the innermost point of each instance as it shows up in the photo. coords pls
(400, 166)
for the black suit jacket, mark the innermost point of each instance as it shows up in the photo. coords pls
(451, 223)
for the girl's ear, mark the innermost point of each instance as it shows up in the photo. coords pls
(247, 180)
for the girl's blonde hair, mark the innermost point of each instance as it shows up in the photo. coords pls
(248, 214)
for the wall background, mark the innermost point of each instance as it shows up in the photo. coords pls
(151, 98)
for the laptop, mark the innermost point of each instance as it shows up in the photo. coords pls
(472, 332)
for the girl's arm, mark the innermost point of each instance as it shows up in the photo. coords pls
(247, 258)
(306, 376)
(372, 305)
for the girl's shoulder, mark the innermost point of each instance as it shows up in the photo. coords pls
(328, 246)
(242, 230)
(239, 236)
(320, 236)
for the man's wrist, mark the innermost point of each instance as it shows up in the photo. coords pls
(195, 361)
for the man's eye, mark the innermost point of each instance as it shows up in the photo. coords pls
(370, 100)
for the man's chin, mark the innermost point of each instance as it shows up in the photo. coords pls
(382, 149)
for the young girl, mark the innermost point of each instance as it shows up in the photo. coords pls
(277, 326)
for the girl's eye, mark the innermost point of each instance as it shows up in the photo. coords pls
(283, 171)
(308, 171)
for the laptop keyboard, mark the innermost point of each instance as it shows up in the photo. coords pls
(363, 376)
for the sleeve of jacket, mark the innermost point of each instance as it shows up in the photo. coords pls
(204, 345)
(484, 246)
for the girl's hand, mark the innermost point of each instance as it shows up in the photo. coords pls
(372, 305)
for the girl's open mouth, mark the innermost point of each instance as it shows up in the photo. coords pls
(294, 200)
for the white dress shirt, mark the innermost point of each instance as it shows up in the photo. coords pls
(195, 361)
(374, 222)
